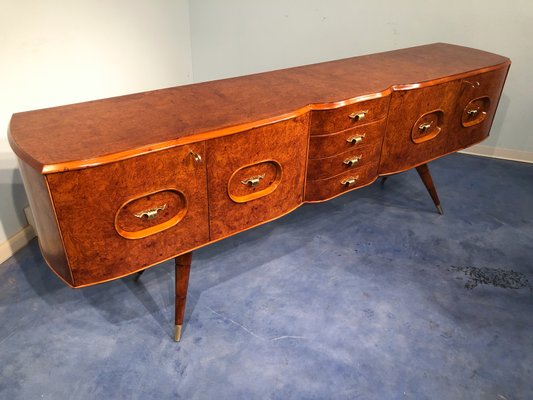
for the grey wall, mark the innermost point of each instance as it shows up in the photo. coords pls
(235, 37)
(64, 51)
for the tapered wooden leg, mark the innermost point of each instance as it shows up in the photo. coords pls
(384, 179)
(423, 171)
(183, 267)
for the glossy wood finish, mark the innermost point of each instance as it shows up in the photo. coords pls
(323, 146)
(350, 116)
(325, 189)
(47, 230)
(423, 172)
(182, 266)
(444, 105)
(121, 127)
(358, 157)
(87, 203)
(201, 162)
(283, 144)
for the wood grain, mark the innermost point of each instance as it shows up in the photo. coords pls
(322, 146)
(199, 150)
(87, 202)
(182, 266)
(286, 144)
(122, 127)
(46, 225)
(325, 189)
(400, 152)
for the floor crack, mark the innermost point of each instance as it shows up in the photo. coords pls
(235, 323)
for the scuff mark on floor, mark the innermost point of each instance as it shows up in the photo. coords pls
(497, 277)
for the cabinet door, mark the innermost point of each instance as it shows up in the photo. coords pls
(433, 121)
(123, 216)
(256, 175)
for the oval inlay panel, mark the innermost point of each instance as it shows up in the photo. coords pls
(150, 213)
(254, 181)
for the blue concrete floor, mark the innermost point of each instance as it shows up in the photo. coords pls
(361, 297)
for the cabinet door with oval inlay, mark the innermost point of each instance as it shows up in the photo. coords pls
(429, 122)
(119, 217)
(256, 176)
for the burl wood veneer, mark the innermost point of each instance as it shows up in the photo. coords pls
(120, 184)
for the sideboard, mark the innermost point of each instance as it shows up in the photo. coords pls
(121, 184)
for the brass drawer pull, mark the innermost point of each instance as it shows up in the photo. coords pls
(352, 161)
(197, 157)
(473, 112)
(356, 139)
(253, 181)
(151, 213)
(359, 115)
(425, 127)
(349, 181)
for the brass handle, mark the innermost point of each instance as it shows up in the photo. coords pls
(472, 113)
(356, 139)
(352, 161)
(424, 127)
(349, 181)
(196, 157)
(253, 181)
(151, 213)
(359, 115)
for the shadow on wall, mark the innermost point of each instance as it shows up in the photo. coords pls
(13, 198)
(499, 123)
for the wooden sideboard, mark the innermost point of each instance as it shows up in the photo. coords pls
(121, 184)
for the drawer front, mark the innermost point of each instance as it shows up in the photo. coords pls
(336, 119)
(256, 176)
(120, 217)
(355, 158)
(324, 189)
(322, 146)
(430, 122)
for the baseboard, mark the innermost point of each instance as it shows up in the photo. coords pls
(16, 242)
(498, 152)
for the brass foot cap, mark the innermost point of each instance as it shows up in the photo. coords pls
(177, 333)
(439, 209)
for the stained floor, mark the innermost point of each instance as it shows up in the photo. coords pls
(372, 295)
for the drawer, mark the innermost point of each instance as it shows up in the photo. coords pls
(324, 189)
(256, 175)
(119, 217)
(322, 146)
(354, 158)
(336, 119)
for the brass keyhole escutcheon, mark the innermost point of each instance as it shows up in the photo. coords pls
(196, 157)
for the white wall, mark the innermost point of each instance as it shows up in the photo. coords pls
(64, 51)
(235, 37)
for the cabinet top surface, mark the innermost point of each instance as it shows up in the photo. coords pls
(83, 134)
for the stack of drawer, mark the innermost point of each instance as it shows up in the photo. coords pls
(345, 148)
